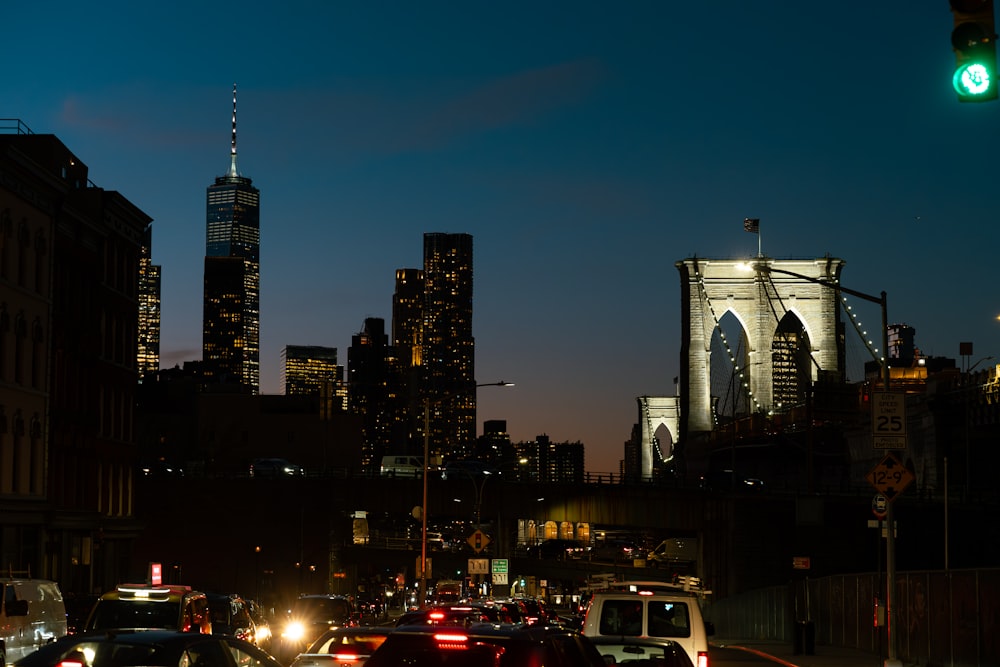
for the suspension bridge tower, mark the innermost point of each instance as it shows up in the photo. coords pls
(789, 330)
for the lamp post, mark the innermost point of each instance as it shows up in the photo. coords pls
(256, 573)
(422, 601)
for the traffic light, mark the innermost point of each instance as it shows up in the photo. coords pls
(974, 41)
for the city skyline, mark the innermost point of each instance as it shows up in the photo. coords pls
(585, 148)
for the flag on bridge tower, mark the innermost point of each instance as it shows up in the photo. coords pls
(751, 225)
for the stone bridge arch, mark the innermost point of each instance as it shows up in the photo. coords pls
(659, 425)
(759, 296)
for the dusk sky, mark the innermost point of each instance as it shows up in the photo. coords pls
(586, 146)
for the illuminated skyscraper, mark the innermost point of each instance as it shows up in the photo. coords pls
(231, 326)
(307, 369)
(148, 362)
(448, 348)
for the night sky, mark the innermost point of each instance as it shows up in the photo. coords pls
(586, 146)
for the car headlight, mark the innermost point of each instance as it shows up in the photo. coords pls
(294, 631)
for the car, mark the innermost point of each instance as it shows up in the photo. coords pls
(148, 648)
(558, 549)
(617, 551)
(466, 469)
(486, 645)
(32, 613)
(658, 610)
(231, 616)
(261, 624)
(311, 616)
(511, 611)
(143, 607)
(535, 611)
(275, 468)
(342, 646)
(462, 614)
(402, 466)
(646, 652)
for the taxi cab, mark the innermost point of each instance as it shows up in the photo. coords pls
(142, 607)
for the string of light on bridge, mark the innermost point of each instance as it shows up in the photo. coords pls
(729, 350)
(861, 332)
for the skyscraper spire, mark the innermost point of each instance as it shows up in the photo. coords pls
(233, 171)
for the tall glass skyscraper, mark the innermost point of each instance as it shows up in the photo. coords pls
(148, 348)
(448, 348)
(231, 325)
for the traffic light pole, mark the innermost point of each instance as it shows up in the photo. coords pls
(890, 541)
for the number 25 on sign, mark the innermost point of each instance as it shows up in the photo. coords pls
(889, 420)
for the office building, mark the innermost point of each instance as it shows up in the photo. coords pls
(448, 348)
(149, 309)
(231, 325)
(307, 369)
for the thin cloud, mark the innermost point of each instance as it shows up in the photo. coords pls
(519, 99)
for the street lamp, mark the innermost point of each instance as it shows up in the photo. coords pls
(422, 601)
(256, 551)
(763, 267)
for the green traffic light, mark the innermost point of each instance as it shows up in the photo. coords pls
(973, 80)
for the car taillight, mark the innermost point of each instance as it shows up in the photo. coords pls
(702, 658)
(345, 657)
(451, 640)
(71, 663)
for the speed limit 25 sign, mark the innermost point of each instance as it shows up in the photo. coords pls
(889, 420)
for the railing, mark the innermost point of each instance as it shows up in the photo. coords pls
(939, 617)
(13, 126)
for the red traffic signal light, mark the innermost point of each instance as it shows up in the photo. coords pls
(974, 41)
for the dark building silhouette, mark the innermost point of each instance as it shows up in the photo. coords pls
(448, 347)
(494, 448)
(69, 303)
(231, 323)
(368, 362)
(407, 360)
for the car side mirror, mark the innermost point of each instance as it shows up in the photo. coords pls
(709, 628)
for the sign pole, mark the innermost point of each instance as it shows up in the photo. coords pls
(890, 540)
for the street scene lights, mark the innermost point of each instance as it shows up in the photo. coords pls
(423, 507)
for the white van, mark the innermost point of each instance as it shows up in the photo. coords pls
(402, 466)
(651, 610)
(33, 614)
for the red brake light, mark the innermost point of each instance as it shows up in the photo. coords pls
(345, 657)
(650, 593)
(71, 663)
(451, 641)
(436, 615)
(702, 659)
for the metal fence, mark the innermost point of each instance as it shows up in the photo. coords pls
(940, 618)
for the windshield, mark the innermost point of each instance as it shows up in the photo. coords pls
(322, 610)
(136, 614)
